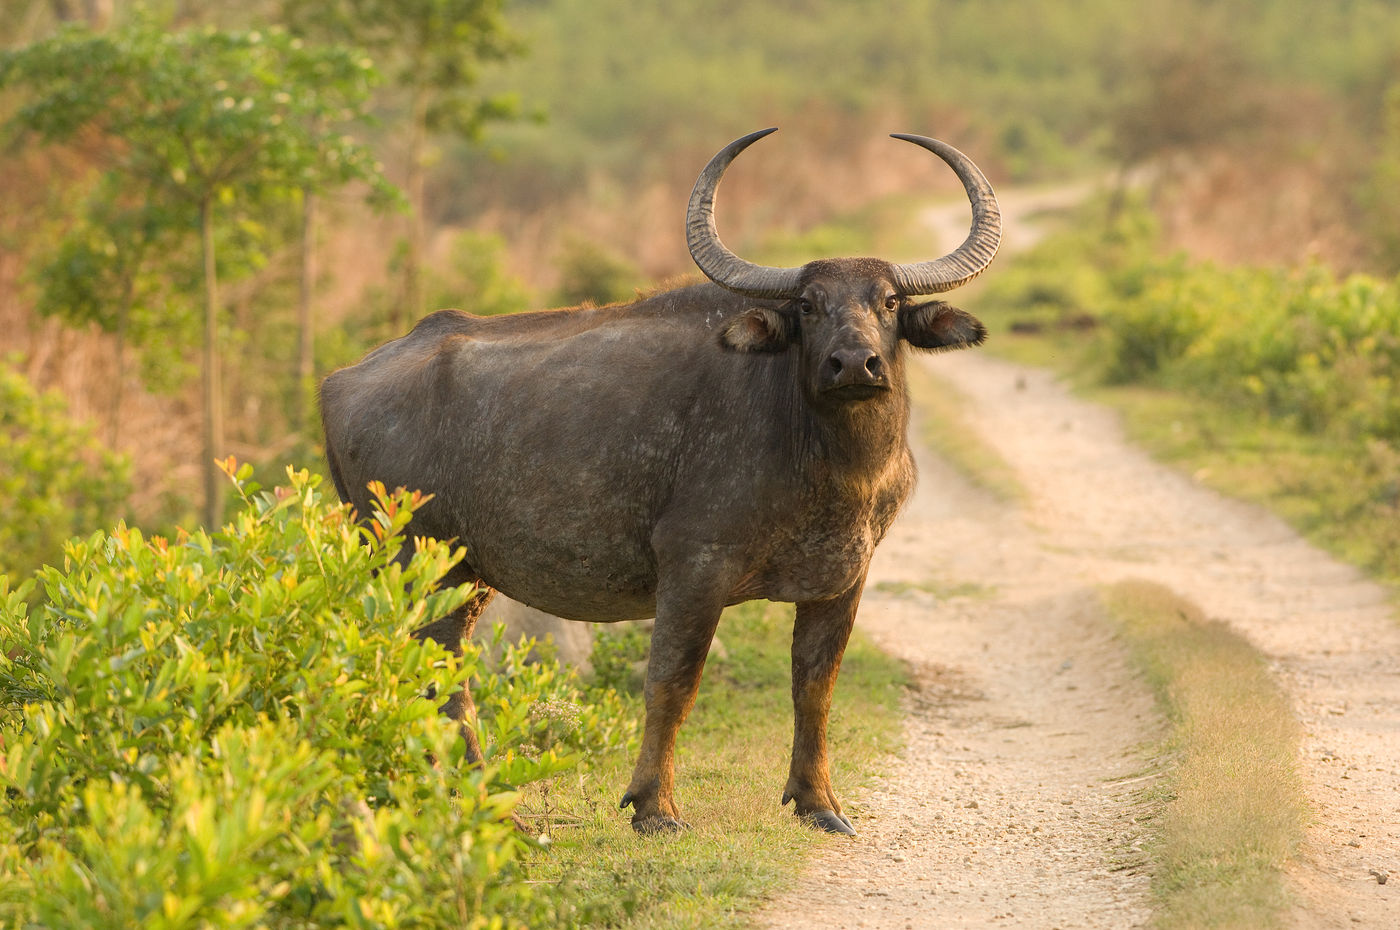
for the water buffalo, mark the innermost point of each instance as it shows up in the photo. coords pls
(666, 458)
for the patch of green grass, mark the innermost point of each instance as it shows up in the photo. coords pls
(731, 767)
(944, 429)
(939, 589)
(1232, 807)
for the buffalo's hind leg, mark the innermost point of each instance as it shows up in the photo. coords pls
(819, 640)
(450, 632)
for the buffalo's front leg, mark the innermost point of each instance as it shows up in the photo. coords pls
(685, 624)
(819, 640)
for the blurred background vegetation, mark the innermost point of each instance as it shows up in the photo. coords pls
(497, 155)
(206, 205)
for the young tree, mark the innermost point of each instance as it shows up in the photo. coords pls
(199, 124)
(432, 50)
(104, 271)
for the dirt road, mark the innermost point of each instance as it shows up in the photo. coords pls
(1013, 804)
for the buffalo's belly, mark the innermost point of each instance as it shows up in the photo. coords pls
(595, 581)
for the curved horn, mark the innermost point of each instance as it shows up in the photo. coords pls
(972, 257)
(718, 263)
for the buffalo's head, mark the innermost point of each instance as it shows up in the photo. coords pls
(847, 322)
(847, 315)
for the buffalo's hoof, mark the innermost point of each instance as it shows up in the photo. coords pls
(831, 822)
(653, 826)
(656, 823)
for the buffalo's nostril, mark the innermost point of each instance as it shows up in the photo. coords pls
(874, 366)
(834, 364)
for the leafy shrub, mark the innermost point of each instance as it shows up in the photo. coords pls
(1301, 347)
(1158, 327)
(230, 730)
(560, 714)
(56, 479)
(1074, 274)
(475, 278)
(616, 653)
(590, 273)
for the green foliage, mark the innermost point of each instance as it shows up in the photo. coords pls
(56, 479)
(475, 279)
(230, 729)
(201, 113)
(1302, 346)
(590, 273)
(200, 132)
(123, 267)
(182, 119)
(615, 654)
(1380, 195)
(1075, 272)
(434, 48)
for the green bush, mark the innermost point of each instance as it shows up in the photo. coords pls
(1078, 272)
(615, 655)
(230, 730)
(1301, 347)
(56, 479)
(475, 278)
(1156, 328)
(589, 273)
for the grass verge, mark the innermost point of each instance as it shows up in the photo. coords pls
(1232, 804)
(731, 768)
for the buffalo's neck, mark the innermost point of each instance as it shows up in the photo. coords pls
(859, 441)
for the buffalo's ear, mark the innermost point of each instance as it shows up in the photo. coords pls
(937, 325)
(758, 329)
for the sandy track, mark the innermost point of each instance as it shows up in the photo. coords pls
(1013, 804)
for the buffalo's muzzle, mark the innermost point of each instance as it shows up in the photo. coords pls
(857, 371)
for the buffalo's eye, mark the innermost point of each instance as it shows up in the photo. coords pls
(805, 306)
(892, 301)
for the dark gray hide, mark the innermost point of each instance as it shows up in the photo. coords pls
(665, 458)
